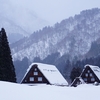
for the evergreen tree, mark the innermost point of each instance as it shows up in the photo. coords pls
(1, 58)
(76, 71)
(7, 70)
(67, 69)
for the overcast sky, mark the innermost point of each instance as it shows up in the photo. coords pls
(40, 13)
(56, 10)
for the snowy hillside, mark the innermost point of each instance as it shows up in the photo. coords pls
(18, 17)
(12, 91)
(72, 36)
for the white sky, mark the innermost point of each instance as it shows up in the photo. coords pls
(57, 10)
(32, 15)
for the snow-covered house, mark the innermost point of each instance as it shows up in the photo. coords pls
(39, 73)
(77, 81)
(90, 74)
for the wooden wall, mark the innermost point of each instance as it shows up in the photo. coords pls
(35, 76)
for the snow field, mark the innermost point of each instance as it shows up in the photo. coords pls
(13, 91)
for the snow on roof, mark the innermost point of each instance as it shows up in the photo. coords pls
(81, 80)
(95, 69)
(51, 73)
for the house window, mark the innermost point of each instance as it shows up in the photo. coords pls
(35, 73)
(92, 79)
(86, 74)
(78, 83)
(35, 69)
(91, 75)
(25, 80)
(39, 78)
(88, 71)
(31, 79)
(85, 79)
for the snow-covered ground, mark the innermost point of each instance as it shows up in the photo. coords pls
(13, 91)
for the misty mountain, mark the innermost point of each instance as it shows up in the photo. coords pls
(71, 36)
(19, 19)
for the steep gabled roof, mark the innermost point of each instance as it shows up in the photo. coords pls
(50, 72)
(77, 81)
(95, 69)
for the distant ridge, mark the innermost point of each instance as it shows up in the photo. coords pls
(72, 36)
(18, 19)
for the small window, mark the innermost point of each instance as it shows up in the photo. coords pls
(35, 73)
(91, 75)
(78, 83)
(25, 80)
(88, 71)
(85, 79)
(92, 79)
(86, 74)
(35, 69)
(31, 79)
(39, 78)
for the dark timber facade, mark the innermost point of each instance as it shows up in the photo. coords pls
(35, 76)
(89, 76)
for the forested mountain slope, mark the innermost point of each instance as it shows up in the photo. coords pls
(72, 36)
